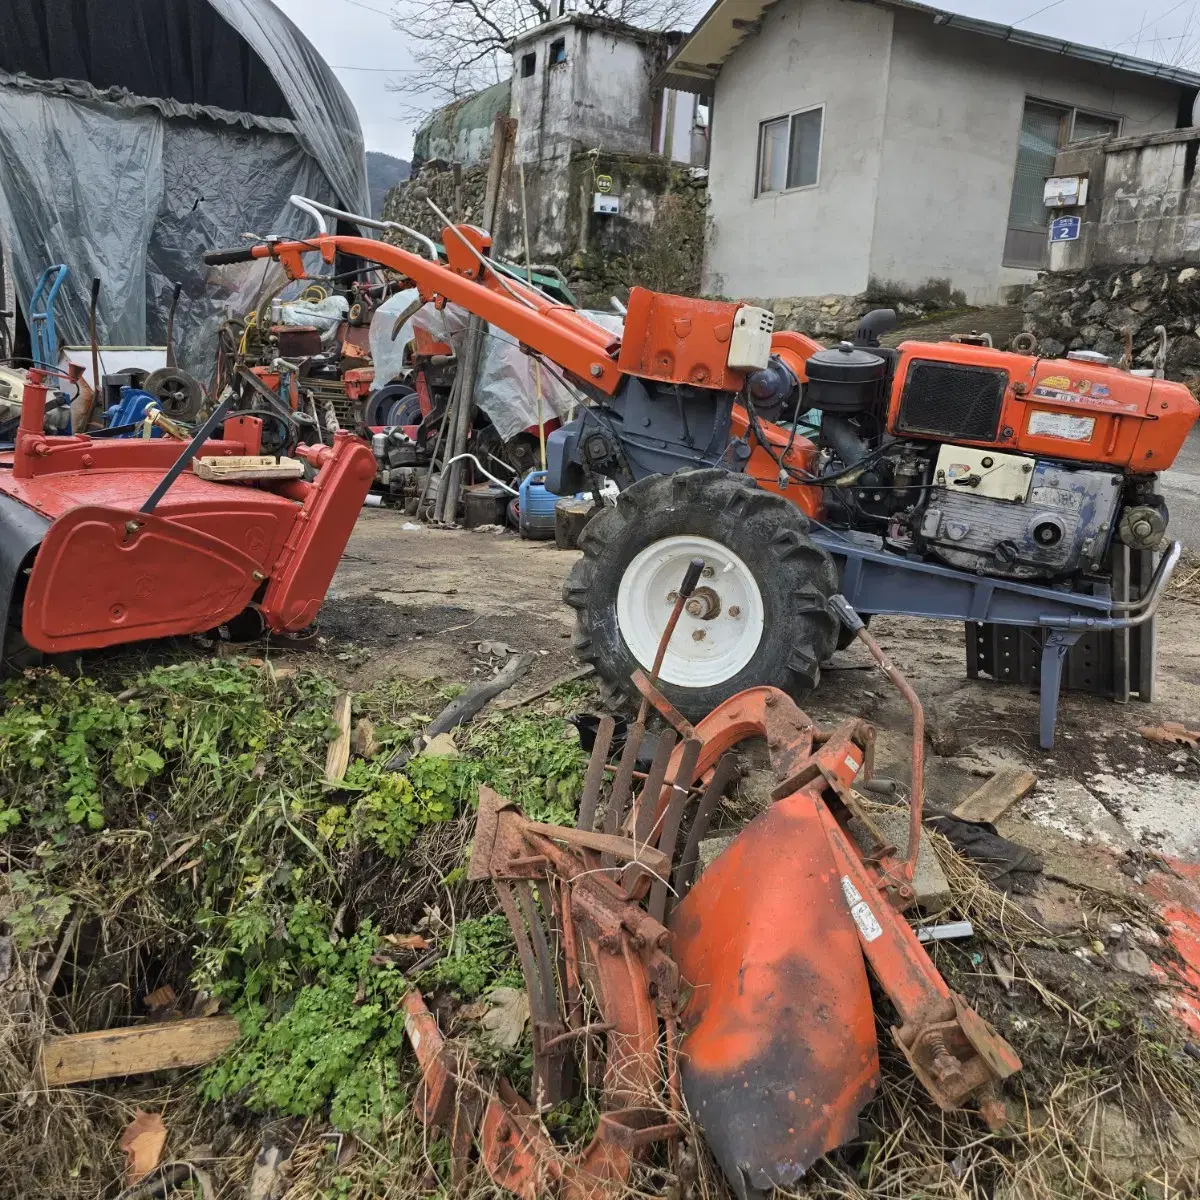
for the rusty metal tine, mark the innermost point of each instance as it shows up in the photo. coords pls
(595, 775)
(653, 802)
(685, 873)
(622, 786)
(647, 802)
(525, 952)
(541, 949)
(668, 835)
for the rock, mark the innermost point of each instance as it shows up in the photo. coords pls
(1135, 280)
(1188, 274)
(1090, 333)
(1120, 1152)
(1133, 962)
(930, 885)
(1097, 310)
(1140, 304)
(710, 849)
(441, 746)
(1183, 352)
(1051, 348)
(1120, 317)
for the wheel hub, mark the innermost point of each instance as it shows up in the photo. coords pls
(722, 623)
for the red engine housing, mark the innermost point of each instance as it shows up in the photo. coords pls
(1051, 408)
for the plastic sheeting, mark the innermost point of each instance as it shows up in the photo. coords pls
(133, 188)
(506, 388)
(121, 193)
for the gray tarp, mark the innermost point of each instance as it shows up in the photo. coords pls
(134, 189)
(506, 387)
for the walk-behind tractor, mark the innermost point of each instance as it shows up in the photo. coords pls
(942, 480)
(106, 540)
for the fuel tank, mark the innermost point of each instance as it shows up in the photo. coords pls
(1079, 408)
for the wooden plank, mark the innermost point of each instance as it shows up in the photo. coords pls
(998, 795)
(78, 1057)
(240, 468)
(338, 758)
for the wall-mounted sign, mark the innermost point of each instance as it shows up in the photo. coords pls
(1066, 191)
(604, 184)
(1065, 229)
(608, 205)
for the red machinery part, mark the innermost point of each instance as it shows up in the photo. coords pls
(107, 573)
(1122, 420)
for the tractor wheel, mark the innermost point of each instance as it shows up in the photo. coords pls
(760, 615)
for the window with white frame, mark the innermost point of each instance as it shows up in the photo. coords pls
(789, 151)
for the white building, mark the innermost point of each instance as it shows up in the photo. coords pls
(892, 146)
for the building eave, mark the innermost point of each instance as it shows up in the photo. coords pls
(696, 64)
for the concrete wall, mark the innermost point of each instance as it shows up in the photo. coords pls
(810, 241)
(1151, 203)
(950, 147)
(600, 99)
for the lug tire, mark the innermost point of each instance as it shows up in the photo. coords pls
(770, 535)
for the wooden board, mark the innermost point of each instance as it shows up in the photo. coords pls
(998, 795)
(338, 757)
(243, 468)
(79, 1057)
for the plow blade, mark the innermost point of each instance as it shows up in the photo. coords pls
(780, 1053)
(105, 576)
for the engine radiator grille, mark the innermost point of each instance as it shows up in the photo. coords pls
(953, 401)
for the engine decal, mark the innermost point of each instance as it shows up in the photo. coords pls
(1062, 425)
(1061, 396)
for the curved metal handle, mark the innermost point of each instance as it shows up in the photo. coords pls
(319, 212)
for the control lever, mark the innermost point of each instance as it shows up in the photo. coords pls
(844, 611)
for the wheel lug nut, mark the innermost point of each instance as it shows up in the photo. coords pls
(697, 635)
(672, 597)
(708, 572)
(735, 610)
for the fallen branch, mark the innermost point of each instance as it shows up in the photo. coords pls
(462, 708)
(569, 677)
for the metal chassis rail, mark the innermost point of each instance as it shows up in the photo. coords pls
(874, 581)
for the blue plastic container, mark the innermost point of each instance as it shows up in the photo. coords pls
(536, 508)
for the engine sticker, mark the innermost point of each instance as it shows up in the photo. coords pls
(1098, 397)
(860, 910)
(1062, 425)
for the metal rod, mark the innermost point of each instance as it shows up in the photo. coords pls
(916, 796)
(315, 209)
(184, 460)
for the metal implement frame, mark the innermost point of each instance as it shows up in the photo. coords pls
(875, 581)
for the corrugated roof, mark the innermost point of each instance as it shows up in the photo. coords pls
(695, 65)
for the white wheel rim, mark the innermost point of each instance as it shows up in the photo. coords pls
(704, 650)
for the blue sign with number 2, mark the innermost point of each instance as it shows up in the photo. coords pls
(1065, 229)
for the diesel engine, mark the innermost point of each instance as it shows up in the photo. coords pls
(992, 462)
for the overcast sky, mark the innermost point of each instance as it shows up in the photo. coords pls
(358, 40)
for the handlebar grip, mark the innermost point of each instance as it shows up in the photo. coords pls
(221, 258)
(695, 568)
(845, 613)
